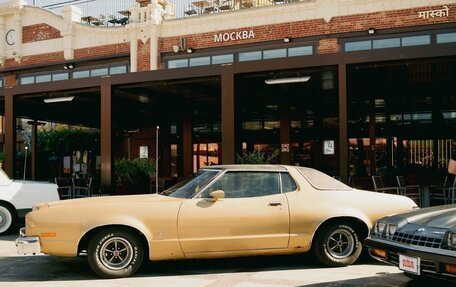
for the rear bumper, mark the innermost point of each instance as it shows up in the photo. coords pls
(27, 245)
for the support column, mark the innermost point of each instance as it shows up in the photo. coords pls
(343, 134)
(372, 162)
(187, 144)
(285, 129)
(2, 43)
(154, 34)
(133, 48)
(228, 118)
(33, 142)
(10, 134)
(17, 52)
(106, 133)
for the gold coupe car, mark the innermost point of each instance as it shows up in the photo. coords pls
(221, 211)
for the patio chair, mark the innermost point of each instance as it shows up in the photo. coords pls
(377, 181)
(81, 187)
(445, 192)
(412, 191)
(64, 187)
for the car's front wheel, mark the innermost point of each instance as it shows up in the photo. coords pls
(115, 253)
(337, 245)
(7, 219)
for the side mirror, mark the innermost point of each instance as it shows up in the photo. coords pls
(216, 195)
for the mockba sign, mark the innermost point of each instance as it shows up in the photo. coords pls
(234, 36)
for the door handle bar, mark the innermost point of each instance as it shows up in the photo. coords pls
(275, 204)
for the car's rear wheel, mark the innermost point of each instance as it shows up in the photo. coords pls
(337, 245)
(7, 219)
(115, 253)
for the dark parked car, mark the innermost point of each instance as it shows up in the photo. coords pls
(420, 242)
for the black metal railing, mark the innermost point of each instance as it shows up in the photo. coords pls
(192, 8)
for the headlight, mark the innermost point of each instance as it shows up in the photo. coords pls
(452, 239)
(392, 229)
(380, 227)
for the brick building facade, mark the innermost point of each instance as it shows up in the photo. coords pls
(174, 67)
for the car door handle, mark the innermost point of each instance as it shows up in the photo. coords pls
(275, 204)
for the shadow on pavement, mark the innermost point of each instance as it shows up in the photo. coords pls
(45, 268)
(396, 280)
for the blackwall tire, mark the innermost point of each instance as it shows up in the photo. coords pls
(115, 253)
(337, 245)
(7, 219)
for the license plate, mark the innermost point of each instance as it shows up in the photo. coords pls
(409, 264)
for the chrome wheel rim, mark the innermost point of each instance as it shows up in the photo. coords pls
(5, 219)
(116, 253)
(340, 243)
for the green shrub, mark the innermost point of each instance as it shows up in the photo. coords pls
(257, 157)
(130, 170)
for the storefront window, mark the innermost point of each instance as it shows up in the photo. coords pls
(250, 56)
(43, 79)
(81, 74)
(300, 51)
(241, 57)
(222, 59)
(27, 80)
(446, 38)
(276, 53)
(252, 125)
(99, 72)
(200, 61)
(402, 117)
(205, 154)
(182, 63)
(386, 43)
(60, 76)
(173, 161)
(118, 70)
(358, 46)
(416, 40)
(52, 76)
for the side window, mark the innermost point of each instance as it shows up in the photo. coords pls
(239, 184)
(288, 184)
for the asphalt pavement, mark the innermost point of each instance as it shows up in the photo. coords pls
(270, 271)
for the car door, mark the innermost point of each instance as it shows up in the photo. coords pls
(253, 215)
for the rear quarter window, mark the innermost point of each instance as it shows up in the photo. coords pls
(320, 180)
(288, 184)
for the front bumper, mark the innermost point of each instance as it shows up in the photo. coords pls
(27, 245)
(432, 260)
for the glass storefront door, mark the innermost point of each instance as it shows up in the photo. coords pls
(401, 117)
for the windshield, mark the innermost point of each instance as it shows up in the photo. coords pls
(192, 185)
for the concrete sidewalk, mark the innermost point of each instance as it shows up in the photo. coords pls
(270, 271)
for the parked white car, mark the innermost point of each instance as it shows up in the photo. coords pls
(17, 198)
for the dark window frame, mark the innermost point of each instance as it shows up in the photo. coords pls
(432, 33)
(235, 52)
(71, 72)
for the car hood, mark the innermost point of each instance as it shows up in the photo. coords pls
(439, 216)
(109, 200)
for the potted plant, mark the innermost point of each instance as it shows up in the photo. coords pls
(2, 158)
(133, 176)
(257, 157)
